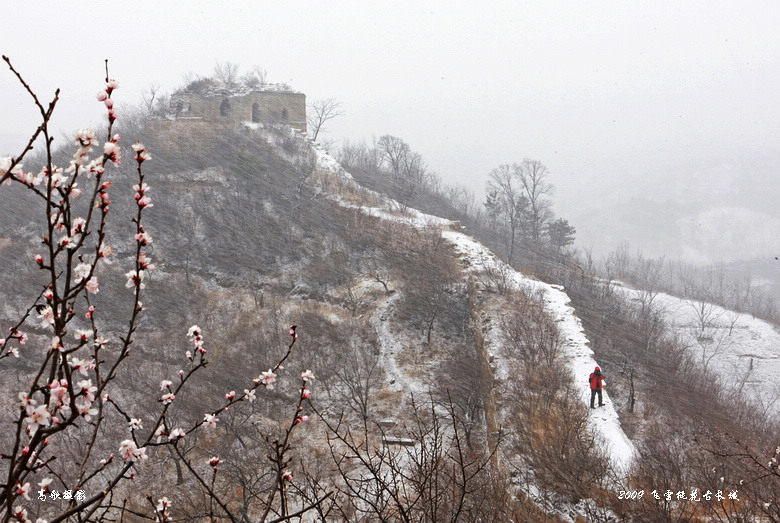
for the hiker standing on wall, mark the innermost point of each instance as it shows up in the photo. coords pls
(596, 380)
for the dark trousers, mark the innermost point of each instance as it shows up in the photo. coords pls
(593, 393)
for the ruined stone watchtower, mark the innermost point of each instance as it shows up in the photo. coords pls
(260, 103)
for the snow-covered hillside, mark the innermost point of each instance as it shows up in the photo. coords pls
(604, 421)
(744, 351)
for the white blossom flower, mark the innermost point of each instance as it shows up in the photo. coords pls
(92, 285)
(39, 417)
(23, 490)
(267, 378)
(130, 451)
(167, 398)
(77, 226)
(307, 375)
(46, 316)
(135, 423)
(133, 278)
(82, 270)
(164, 384)
(86, 410)
(82, 334)
(175, 434)
(210, 420)
(88, 390)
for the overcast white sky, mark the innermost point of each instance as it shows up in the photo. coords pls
(659, 121)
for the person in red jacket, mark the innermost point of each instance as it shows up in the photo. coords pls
(596, 380)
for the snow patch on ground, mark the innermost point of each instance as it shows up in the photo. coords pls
(742, 350)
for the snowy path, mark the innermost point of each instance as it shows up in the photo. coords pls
(604, 421)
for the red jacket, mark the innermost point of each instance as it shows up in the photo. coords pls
(596, 380)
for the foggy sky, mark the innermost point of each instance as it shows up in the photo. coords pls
(659, 122)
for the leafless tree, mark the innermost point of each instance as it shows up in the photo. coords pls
(321, 112)
(149, 95)
(508, 203)
(226, 73)
(533, 179)
(254, 78)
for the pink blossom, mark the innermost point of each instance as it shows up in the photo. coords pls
(307, 375)
(145, 262)
(95, 167)
(144, 238)
(167, 398)
(5, 164)
(287, 476)
(23, 490)
(56, 344)
(214, 461)
(250, 395)
(20, 336)
(267, 378)
(21, 514)
(40, 416)
(176, 434)
(58, 178)
(88, 390)
(141, 154)
(86, 138)
(25, 400)
(39, 259)
(135, 424)
(112, 152)
(230, 395)
(135, 279)
(90, 312)
(130, 451)
(210, 420)
(82, 334)
(101, 96)
(105, 251)
(165, 384)
(86, 410)
(111, 85)
(46, 316)
(92, 285)
(77, 226)
(305, 393)
(82, 366)
(59, 391)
